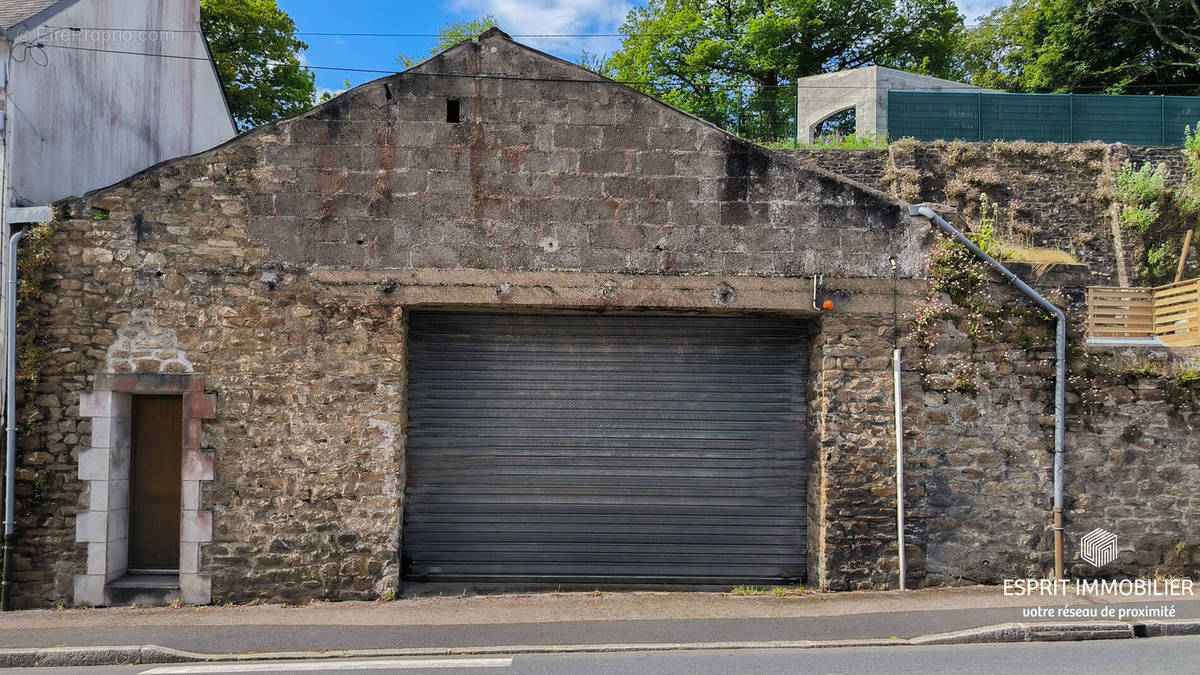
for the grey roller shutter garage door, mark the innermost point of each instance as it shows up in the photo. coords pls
(601, 448)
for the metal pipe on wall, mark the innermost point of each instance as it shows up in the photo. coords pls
(899, 464)
(898, 402)
(1060, 377)
(10, 413)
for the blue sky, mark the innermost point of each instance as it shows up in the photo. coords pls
(423, 18)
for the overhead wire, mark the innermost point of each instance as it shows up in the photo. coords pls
(381, 34)
(379, 71)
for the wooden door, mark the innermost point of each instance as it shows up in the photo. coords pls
(155, 471)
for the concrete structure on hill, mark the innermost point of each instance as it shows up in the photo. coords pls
(863, 90)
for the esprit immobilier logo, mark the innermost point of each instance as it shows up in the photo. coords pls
(1098, 547)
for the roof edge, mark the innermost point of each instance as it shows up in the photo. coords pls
(36, 19)
(216, 73)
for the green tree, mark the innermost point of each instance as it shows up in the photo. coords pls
(1103, 46)
(734, 62)
(257, 57)
(451, 34)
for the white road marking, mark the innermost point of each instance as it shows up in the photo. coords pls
(294, 666)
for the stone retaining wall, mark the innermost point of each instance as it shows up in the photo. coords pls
(1060, 196)
(868, 167)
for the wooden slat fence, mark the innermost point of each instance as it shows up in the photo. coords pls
(1177, 314)
(1169, 313)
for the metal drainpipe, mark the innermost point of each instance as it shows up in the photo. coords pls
(1060, 377)
(10, 450)
(10, 320)
(898, 403)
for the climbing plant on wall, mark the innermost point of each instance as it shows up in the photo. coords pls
(1157, 212)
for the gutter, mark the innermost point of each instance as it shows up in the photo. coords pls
(10, 409)
(1060, 375)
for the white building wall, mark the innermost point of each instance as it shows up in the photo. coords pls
(87, 119)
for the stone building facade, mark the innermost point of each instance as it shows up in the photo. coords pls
(270, 284)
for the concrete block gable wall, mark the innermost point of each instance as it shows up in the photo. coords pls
(284, 263)
(550, 168)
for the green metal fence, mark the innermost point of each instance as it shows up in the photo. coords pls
(1055, 118)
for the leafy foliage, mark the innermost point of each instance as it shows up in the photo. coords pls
(986, 236)
(451, 34)
(1139, 218)
(1141, 191)
(33, 261)
(1160, 259)
(257, 57)
(1106, 46)
(1191, 148)
(1142, 186)
(864, 141)
(956, 271)
(735, 62)
(1159, 212)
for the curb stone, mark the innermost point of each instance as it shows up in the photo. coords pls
(65, 657)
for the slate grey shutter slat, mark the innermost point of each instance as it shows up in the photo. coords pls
(596, 448)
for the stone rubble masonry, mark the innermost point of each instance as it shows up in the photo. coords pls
(979, 465)
(868, 167)
(280, 266)
(1046, 194)
(143, 346)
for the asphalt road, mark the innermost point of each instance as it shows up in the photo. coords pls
(266, 638)
(1151, 655)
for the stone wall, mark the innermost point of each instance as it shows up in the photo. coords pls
(979, 419)
(1045, 195)
(308, 391)
(1173, 158)
(377, 178)
(868, 167)
(1060, 196)
(279, 268)
(852, 496)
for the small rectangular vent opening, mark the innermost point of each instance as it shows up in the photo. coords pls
(452, 110)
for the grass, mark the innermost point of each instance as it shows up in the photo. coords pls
(1029, 254)
(1148, 369)
(778, 591)
(851, 142)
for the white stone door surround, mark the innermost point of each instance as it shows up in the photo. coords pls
(104, 466)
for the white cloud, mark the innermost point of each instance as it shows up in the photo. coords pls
(554, 17)
(974, 9)
(523, 18)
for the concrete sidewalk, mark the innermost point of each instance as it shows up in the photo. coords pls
(583, 621)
